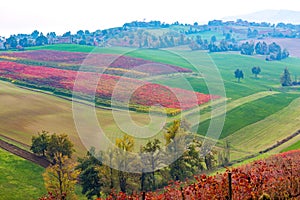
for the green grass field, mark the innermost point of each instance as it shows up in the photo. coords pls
(240, 116)
(264, 133)
(19, 178)
(292, 147)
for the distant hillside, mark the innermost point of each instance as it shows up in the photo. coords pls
(272, 16)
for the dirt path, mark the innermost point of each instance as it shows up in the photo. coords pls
(24, 154)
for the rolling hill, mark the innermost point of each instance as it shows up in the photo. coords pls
(271, 16)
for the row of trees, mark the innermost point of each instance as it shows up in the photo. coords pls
(239, 74)
(98, 179)
(13, 42)
(285, 78)
(273, 51)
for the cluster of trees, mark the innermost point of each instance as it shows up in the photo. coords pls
(61, 176)
(273, 51)
(226, 44)
(286, 79)
(98, 179)
(152, 172)
(239, 74)
(21, 41)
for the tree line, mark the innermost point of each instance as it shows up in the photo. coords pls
(99, 179)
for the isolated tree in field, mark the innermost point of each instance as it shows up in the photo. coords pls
(286, 78)
(60, 178)
(238, 74)
(256, 71)
(39, 144)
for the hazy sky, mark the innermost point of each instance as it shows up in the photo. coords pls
(24, 16)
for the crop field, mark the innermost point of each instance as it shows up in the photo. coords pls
(24, 113)
(263, 95)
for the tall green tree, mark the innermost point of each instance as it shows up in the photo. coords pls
(89, 177)
(187, 165)
(59, 144)
(247, 48)
(12, 42)
(39, 144)
(51, 145)
(150, 160)
(41, 40)
(286, 78)
(238, 74)
(256, 71)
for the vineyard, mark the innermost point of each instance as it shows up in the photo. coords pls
(277, 177)
(115, 63)
(57, 72)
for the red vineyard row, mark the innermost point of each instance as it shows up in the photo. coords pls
(98, 60)
(277, 176)
(139, 92)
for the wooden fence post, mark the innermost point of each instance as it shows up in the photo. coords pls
(229, 186)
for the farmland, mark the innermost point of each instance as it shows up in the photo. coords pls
(226, 63)
(64, 79)
(36, 94)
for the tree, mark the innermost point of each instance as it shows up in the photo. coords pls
(125, 145)
(60, 178)
(89, 177)
(59, 144)
(256, 71)
(41, 40)
(67, 34)
(35, 34)
(80, 33)
(199, 40)
(286, 78)
(151, 149)
(12, 42)
(23, 42)
(187, 165)
(239, 74)
(39, 144)
(285, 54)
(52, 145)
(247, 48)
(213, 39)
(275, 52)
